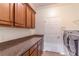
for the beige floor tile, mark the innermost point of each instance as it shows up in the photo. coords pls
(49, 53)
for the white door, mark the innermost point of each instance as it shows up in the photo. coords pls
(53, 34)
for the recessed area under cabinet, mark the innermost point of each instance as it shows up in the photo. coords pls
(17, 15)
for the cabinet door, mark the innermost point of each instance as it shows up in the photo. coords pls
(28, 17)
(26, 53)
(6, 14)
(40, 47)
(33, 19)
(19, 15)
(35, 52)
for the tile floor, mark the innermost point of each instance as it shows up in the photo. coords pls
(48, 53)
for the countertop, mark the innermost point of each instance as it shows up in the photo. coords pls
(17, 47)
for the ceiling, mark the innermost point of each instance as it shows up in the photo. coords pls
(42, 4)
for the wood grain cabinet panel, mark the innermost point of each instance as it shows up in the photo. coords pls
(26, 53)
(35, 52)
(33, 19)
(24, 16)
(6, 12)
(19, 15)
(40, 47)
(36, 49)
(33, 48)
(28, 17)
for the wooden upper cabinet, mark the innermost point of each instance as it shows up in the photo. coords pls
(19, 15)
(24, 16)
(28, 17)
(33, 19)
(6, 12)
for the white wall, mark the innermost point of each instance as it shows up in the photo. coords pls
(51, 41)
(8, 33)
(39, 23)
(67, 13)
(32, 5)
